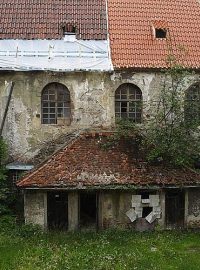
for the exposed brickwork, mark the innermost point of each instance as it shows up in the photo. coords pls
(131, 28)
(86, 163)
(44, 19)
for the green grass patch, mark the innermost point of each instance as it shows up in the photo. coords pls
(27, 249)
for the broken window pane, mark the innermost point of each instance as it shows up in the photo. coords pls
(146, 211)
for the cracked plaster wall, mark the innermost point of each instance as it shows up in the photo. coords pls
(35, 208)
(92, 103)
(193, 217)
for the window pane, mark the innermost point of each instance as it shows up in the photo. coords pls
(45, 104)
(52, 97)
(60, 104)
(67, 112)
(117, 96)
(45, 110)
(124, 115)
(52, 121)
(52, 110)
(124, 91)
(66, 104)
(51, 92)
(52, 104)
(45, 121)
(45, 97)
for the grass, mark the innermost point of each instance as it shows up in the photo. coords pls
(24, 249)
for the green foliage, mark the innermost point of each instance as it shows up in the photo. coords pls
(167, 137)
(126, 128)
(28, 230)
(4, 190)
(108, 250)
(9, 225)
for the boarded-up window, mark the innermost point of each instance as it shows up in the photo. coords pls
(128, 102)
(55, 104)
(192, 104)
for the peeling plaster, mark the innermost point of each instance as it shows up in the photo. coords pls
(92, 100)
(18, 127)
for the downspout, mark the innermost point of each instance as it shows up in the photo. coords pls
(10, 89)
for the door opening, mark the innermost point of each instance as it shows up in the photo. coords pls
(88, 214)
(57, 210)
(175, 208)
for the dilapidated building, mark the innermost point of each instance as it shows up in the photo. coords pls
(77, 66)
(84, 185)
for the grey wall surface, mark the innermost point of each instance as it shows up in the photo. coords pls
(92, 104)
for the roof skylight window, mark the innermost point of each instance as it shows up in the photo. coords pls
(160, 33)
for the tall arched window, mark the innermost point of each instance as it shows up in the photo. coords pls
(128, 102)
(55, 104)
(192, 103)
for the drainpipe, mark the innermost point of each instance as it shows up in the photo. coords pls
(10, 89)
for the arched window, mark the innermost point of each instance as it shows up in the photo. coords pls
(192, 103)
(128, 102)
(55, 104)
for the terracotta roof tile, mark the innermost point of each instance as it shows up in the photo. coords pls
(131, 32)
(43, 19)
(84, 163)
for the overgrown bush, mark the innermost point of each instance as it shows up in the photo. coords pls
(167, 137)
(9, 225)
(4, 190)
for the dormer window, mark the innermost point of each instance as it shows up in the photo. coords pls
(160, 33)
(69, 29)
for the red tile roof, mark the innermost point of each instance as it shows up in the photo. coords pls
(84, 163)
(131, 27)
(43, 19)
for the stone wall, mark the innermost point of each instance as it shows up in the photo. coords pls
(35, 208)
(92, 104)
(193, 217)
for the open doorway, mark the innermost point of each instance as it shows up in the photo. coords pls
(88, 213)
(175, 208)
(57, 210)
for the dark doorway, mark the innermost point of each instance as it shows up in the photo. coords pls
(175, 208)
(57, 210)
(88, 217)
